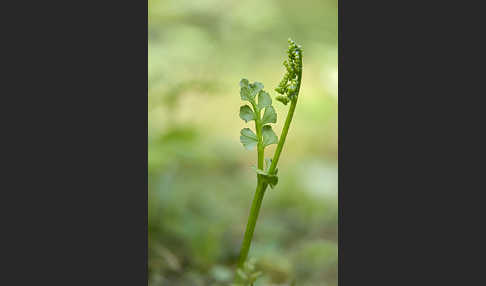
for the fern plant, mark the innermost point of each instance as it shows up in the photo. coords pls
(261, 111)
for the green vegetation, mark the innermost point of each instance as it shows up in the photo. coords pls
(289, 88)
(200, 186)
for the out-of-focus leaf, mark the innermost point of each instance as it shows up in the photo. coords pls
(241, 274)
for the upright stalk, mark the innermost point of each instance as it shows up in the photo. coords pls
(257, 198)
(252, 219)
(283, 135)
(289, 89)
(258, 128)
(261, 186)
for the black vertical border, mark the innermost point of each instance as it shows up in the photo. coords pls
(402, 147)
(80, 212)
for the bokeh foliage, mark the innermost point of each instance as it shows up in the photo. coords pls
(200, 178)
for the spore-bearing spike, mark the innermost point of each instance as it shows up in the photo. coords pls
(289, 83)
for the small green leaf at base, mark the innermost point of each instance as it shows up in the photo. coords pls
(248, 138)
(270, 116)
(255, 275)
(271, 180)
(269, 137)
(246, 113)
(241, 274)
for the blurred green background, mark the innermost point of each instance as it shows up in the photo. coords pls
(200, 178)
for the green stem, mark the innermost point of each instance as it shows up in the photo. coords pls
(286, 127)
(283, 136)
(261, 187)
(252, 219)
(259, 192)
(258, 128)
